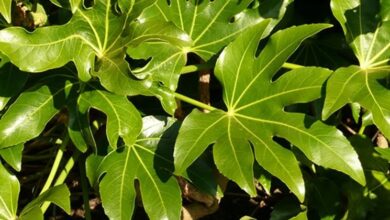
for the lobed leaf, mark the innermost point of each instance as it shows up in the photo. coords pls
(255, 115)
(148, 165)
(123, 119)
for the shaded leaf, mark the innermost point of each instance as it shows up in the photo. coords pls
(385, 153)
(13, 156)
(11, 82)
(257, 116)
(58, 195)
(70, 4)
(123, 119)
(9, 192)
(5, 9)
(149, 161)
(287, 208)
(28, 115)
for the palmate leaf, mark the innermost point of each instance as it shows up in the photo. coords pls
(210, 25)
(366, 26)
(255, 115)
(123, 119)
(5, 9)
(149, 161)
(95, 40)
(28, 115)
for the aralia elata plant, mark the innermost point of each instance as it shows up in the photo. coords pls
(79, 82)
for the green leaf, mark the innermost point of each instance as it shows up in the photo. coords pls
(366, 29)
(28, 115)
(94, 40)
(208, 26)
(11, 82)
(149, 161)
(70, 4)
(365, 86)
(5, 9)
(58, 195)
(255, 114)
(9, 192)
(13, 156)
(287, 208)
(123, 119)
(385, 153)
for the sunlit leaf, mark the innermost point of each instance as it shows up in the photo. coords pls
(58, 195)
(28, 115)
(366, 26)
(9, 193)
(5, 9)
(255, 115)
(150, 162)
(13, 156)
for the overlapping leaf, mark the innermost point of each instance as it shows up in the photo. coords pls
(149, 161)
(210, 25)
(123, 119)
(27, 116)
(366, 26)
(255, 115)
(94, 39)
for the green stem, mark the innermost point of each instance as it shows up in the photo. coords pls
(85, 189)
(61, 178)
(55, 166)
(291, 66)
(194, 102)
(197, 67)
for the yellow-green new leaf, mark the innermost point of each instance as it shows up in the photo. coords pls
(5, 9)
(9, 193)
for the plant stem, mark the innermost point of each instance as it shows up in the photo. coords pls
(194, 102)
(85, 189)
(291, 66)
(61, 178)
(55, 166)
(205, 66)
(361, 130)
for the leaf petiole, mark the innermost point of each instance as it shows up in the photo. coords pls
(194, 102)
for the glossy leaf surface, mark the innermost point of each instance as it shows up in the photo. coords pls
(9, 192)
(147, 164)
(208, 26)
(28, 115)
(256, 117)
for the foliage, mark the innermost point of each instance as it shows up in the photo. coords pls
(79, 82)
